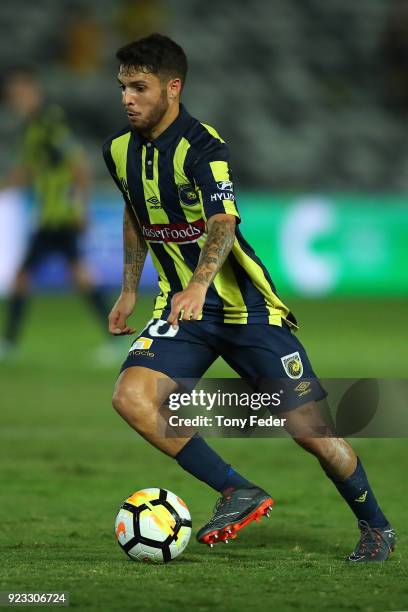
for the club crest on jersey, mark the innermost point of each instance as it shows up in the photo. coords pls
(187, 195)
(292, 365)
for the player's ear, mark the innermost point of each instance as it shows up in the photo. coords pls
(174, 87)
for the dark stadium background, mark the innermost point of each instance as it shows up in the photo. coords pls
(312, 98)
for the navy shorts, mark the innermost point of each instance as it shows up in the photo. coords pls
(267, 356)
(46, 241)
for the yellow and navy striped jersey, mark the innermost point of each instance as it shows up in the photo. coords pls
(173, 185)
(48, 152)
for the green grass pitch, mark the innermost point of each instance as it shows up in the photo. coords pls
(67, 461)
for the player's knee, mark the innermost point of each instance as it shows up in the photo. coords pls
(133, 404)
(126, 398)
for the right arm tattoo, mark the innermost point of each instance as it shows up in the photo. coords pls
(220, 240)
(134, 253)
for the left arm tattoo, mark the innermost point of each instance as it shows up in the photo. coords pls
(220, 239)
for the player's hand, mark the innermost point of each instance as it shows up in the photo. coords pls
(122, 309)
(187, 305)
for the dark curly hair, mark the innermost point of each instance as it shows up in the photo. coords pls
(155, 54)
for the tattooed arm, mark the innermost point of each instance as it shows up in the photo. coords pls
(220, 239)
(221, 236)
(134, 256)
(134, 253)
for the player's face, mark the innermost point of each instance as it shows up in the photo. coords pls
(144, 97)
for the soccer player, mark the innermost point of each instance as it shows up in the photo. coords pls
(216, 297)
(54, 167)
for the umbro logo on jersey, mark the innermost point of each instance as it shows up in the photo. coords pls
(225, 185)
(154, 202)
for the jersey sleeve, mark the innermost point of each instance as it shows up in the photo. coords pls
(107, 156)
(110, 164)
(212, 176)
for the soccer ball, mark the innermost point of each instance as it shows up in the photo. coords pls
(153, 525)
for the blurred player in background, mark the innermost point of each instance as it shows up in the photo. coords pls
(216, 298)
(53, 166)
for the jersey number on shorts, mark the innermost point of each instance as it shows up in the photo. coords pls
(153, 330)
